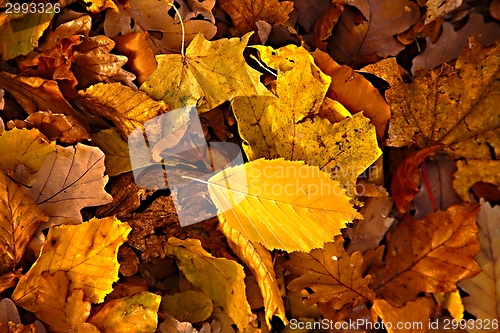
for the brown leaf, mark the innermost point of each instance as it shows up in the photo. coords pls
(451, 42)
(428, 255)
(9, 280)
(141, 59)
(10, 327)
(325, 24)
(310, 11)
(332, 274)
(438, 8)
(495, 9)
(375, 35)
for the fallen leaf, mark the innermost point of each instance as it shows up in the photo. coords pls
(325, 24)
(428, 255)
(11, 327)
(86, 252)
(483, 288)
(136, 313)
(8, 311)
(289, 191)
(451, 302)
(172, 325)
(331, 274)
(221, 281)
(96, 6)
(22, 146)
(438, 8)
(126, 108)
(414, 316)
(375, 35)
(80, 183)
(19, 219)
(191, 306)
(451, 43)
(260, 262)
(495, 9)
(141, 59)
(310, 11)
(202, 78)
(9, 280)
(471, 172)
(55, 126)
(62, 309)
(245, 13)
(161, 22)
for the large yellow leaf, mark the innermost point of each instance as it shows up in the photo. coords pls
(209, 74)
(484, 289)
(21, 146)
(474, 171)
(260, 262)
(133, 314)
(332, 274)
(69, 179)
(281, 204)
(86, 252)
(19, 219)
(192, 306)
(220, 279)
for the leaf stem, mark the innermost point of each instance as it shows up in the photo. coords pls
(182, 26)
(428, 186)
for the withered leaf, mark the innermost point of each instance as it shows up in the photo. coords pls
(437, 8)
(141, 59)
(474, 171)
(428, 255)
(191, 306)
(310, 11)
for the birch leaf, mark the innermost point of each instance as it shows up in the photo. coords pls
(86, 252)
(294, 207)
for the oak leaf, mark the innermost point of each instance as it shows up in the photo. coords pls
(86, 252)
(62, 309)
(191, 306)
(331, 274)
(141, 59)
(160, 21)
(294, 207)
(375, 35)
(483, 289)
(126, 108)
(79, 183)
(428, 255)
(260, 262)
(22, 146)
(136, 313)
(218, 278)
(202, 78)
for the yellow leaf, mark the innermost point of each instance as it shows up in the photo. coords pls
(332, 274)
(259, 260)
(473, 171)
(86, 252)
(63, 310)
(414, 316)
(452, 302)
(191, 306)
(96, 6)
(209, 74)
(132, 314)
(281, 204)
(21, 146)
(218, 278)
(126, 108)
(484, 289)
(19, 219)
(69, 179)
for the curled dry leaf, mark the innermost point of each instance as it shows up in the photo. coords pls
(260, 262)
(325, 24)
(86, 252)
(80, 183)
(19, 219)
(218, 278)
(247, 202)
(55, 126)
(22, 146)
(160, 21)
(428, 255)
(332, 274)
(483, 289)
(202, 78)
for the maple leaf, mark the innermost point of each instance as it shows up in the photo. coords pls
(248, 204)
(21, 146)
(136, 313)
(332, 274)
(483, 288)
(126, 108)
(86, 252)
(428, 255)
(54, 126)
(260, 262)
(160, 21)
(375, 35)
(19, 219)
(218, 278)
(61, 309)
(191, 306)
(80, 183)
(202, 78)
